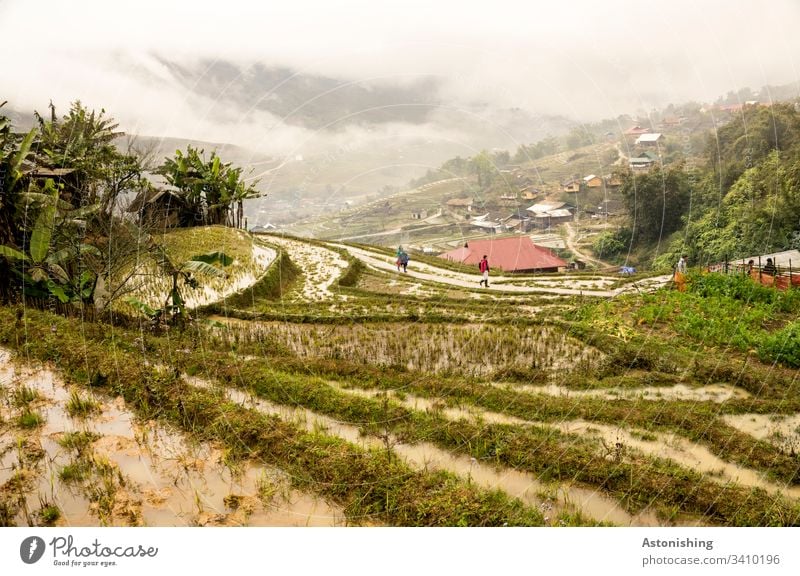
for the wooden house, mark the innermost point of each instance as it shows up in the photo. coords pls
(162, 208)
(592, 181)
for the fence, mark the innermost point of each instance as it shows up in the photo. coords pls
(779, 277)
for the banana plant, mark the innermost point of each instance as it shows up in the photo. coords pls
(13, 154)
(44, 268)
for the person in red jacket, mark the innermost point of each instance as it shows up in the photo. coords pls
(483, 266)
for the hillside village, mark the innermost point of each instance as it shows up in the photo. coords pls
(555, 190)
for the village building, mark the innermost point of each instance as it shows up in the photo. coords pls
(592, 181)
(672, 121)
(514, 254)
(485, 224)
(649, 139)
(612, 181)
(517, 223)
(460, 204)
(547, 214)
(162, 208)
(419, 214)
(530, 193)
(643, 161)
(65, 178)
(636, 131)
(572, 185)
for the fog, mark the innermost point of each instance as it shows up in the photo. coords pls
(297, 78)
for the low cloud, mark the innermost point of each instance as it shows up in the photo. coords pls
(581, 59)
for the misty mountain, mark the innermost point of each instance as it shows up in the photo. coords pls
(331, 105)
(306, 100)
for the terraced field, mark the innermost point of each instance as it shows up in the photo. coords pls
(352, 394)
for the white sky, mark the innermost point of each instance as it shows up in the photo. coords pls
(586, 59)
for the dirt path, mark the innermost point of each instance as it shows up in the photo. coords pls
(505, 284)
(320, 266)
(572, 236)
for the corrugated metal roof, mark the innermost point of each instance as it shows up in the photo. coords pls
(560, 213)
(545, 207)
(649, 137)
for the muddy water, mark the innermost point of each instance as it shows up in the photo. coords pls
(781, 430)
(670, 446)
(679, 450)
(712, 393)
(433, 405)
(591, 503)
(162, 479)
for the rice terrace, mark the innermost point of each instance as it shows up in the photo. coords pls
(334, 391)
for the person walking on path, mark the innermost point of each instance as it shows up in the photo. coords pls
(483, 266)
(397, 255)
(680, 274)
(403, 260)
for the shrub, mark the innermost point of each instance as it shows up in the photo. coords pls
(782, 346)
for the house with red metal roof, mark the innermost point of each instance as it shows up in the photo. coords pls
(515, 254)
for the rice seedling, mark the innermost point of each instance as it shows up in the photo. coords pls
(30, 419)
(81, 406)
(23, 395)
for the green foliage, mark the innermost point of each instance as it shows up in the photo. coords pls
(750, 137)
(526, 153)
(783, 346)
(30, 419)
(732, 311)
(83, 141)
(182, 275)
(655, 202)
(758, 214)
(741, 287)
(214, 191)
(79, 441)
(275, 282)
(52, 264)
(354, 270)
(612, 243)
(81, 406)
(49, 514)
(75, 472)
(23, 396)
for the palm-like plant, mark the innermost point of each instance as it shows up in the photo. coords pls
(214, 189)
(13, 152)
(83, 141)
(45, 268)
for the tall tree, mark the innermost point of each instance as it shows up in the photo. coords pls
(656, 202)
(84, 141)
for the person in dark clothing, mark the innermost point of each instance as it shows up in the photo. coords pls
(769, 268)
(403, 259)
(483, 266)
